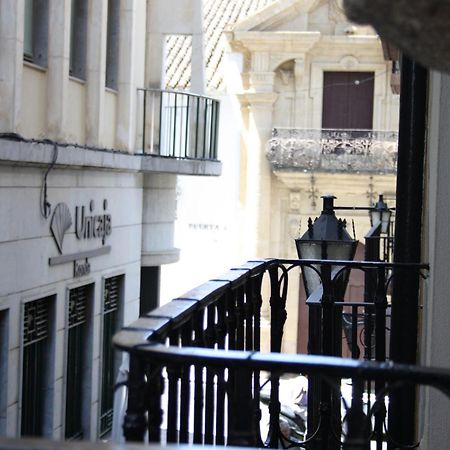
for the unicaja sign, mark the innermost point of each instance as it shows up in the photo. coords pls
(88, 225)
(93, 225)
(60, 223)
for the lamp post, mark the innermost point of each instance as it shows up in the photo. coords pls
(325, 239)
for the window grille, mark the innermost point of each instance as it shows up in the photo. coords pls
(34, 366)
(76, 362)
(111, 300)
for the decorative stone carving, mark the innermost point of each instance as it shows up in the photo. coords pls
(349, 62)
(294, 201)
(420, 28)
(333, 150)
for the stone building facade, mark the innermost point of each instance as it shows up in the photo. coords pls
(86, 211)
(320, 116)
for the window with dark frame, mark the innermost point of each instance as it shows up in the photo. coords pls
(4, 351)
(77, 361)
(78, 39)
(112, 44)
(348, 100)
(35, 38)
(112, 299)
(35, 366)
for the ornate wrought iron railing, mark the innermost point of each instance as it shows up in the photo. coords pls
(178, 124)
(333, 150)
(202, 351)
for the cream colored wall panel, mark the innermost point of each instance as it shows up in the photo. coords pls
(76, 112)
(109, 119)
(33, 123)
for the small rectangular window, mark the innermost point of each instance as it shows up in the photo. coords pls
(112, 44)
(112, 300)
(78, 362)
(36, 359)
(78, 32)
(35, 38)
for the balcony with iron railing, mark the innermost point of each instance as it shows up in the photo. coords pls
(323, 150)
(197, 374)
(178, 129)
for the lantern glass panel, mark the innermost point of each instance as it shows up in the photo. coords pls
(334, 250)
(385, 220)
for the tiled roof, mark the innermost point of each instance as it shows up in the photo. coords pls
(218, 15)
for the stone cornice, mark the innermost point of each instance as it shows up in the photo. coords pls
(274, 41)
(275, 13)
(257, 98)
(38, 154)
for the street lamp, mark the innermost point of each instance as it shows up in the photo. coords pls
(326, 238)
(380, 213)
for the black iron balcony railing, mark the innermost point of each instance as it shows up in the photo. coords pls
(196, 365)
(178, 124)
(333, 150)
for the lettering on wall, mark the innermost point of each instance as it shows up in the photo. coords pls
(90, 224)
(93, 225)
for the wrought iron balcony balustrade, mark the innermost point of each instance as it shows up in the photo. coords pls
(333, 150)
(178, 124)
(196, 363)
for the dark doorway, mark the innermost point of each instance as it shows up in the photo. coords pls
(347, 100)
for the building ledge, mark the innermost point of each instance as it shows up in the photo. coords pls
(18, 152)
(158, 258)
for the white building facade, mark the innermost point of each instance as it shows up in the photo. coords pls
(87, 207)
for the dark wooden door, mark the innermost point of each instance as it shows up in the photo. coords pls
(348, 100)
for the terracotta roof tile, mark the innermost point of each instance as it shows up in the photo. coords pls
(217, 16)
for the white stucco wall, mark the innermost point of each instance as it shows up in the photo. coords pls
(435, 329)
(209, 216)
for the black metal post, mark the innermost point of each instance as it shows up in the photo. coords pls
(277, 319)
(242, 433)
(135, 421)
(408, 228)
(371, 253)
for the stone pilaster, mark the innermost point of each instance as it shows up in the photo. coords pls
(302, 106)
(158, 217)
(154, 50)
(11, 63)
(126, 100)
(198, 81)
(258, 175)
(95, 73)
(198, 64)
(58, 67)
